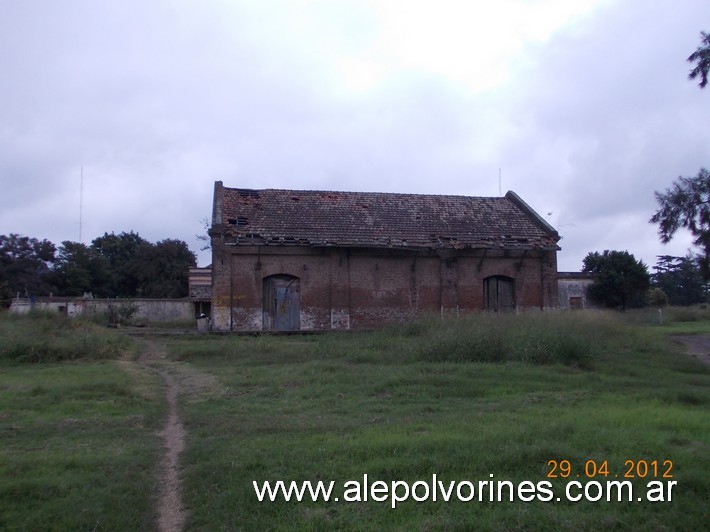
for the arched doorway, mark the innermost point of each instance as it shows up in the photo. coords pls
(282, 303)
(499, 293)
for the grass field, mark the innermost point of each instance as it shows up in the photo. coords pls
(77, 442)
(462, 399)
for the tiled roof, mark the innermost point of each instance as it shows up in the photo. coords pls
(364, 219)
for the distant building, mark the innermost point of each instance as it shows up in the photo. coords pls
(315, 260)
(573, 288)
(200, 290)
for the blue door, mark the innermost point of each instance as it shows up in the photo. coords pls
(282, 303)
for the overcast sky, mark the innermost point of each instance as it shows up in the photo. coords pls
(583, 107)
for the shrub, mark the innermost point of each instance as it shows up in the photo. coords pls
(656, 297)
(121, 314)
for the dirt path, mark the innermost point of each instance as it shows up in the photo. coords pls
(697, 346)
(171, 510)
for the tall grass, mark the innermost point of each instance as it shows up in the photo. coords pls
(572, 339)
(52, 337)
(463, 398)
(537, 338)
(667, 315)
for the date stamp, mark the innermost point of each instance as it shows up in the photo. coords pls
(632, 469)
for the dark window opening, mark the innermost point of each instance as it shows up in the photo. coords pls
(203, 309)
(239, 221)
(576, 303)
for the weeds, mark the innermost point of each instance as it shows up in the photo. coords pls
(534, 338)
(563, 338)
(51, 337)
(121, 313)
(571, 339)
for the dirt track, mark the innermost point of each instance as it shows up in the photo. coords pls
(697, 346)
(170, 510)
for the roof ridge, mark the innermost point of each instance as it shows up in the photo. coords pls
(358, 192)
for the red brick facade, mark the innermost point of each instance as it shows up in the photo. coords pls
(264, 280)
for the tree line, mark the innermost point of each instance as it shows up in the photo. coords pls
(622, 281)
(123, 265)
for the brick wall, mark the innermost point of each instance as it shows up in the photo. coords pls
(360, 288)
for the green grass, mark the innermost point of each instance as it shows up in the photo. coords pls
(51, 337)
(78, 443)
(675, 319)
(463, 399)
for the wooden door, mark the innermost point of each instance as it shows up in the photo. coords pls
(499, 293)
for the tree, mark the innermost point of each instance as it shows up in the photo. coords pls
(204, 238)
(680, 278)
(164, 269)
(621, 281)
(140, 268)
(687, 205)
(125, 271)
(123, 265)
(25, 266)
(702, 57)
(656, 297)
(80, 269)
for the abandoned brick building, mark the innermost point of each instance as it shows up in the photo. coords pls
(313, 260)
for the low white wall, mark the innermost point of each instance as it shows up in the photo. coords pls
(152, 310)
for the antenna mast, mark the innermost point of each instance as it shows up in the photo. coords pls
(81, 202)
(500, 184)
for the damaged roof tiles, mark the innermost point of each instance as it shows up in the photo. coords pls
(377, 220)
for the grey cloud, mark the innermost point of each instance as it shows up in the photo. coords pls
(158, 100)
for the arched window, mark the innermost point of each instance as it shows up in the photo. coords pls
(499, 293)
(282, 303)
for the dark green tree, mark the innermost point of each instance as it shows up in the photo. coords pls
(125, 268)
(701, 56)
(164, 269)
(138, 268)
(123, 265)
(686, 204)
(680, 278)
(621, 280)
(656, 297)
(80, 269)
(25, 266)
